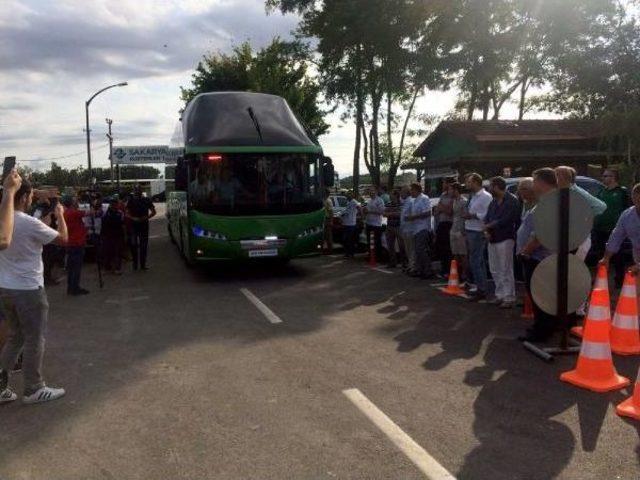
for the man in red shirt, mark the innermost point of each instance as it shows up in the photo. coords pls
(75, 245)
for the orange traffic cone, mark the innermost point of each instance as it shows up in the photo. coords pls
(625, 335)
(527, 311)
(595, 370)
(602, 279)
(453, 288)
(631, 406)
(601, 283)
(372, 251)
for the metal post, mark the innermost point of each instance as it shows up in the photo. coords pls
(110, 137)
(566, 345)
(563, 265)
(86, 111)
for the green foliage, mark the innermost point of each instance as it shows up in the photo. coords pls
(61, 177)
(600, 72)
(376, 57)
(281, 68)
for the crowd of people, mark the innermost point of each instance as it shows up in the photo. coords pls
(490, 231)
(486, 230)
(34, 236)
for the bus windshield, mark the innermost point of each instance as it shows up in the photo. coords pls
(255, 184)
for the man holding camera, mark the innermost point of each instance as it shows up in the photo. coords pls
(24, 300)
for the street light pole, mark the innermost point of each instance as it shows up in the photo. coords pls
(86, 111)
(110, 137)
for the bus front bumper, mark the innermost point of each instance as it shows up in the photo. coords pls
(207, 250)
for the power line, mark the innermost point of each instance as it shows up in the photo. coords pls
(84, 152)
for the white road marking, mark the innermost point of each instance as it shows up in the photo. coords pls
(266, 311)
(128, 300)
(418, 455)
(383, 270)
(151, 237)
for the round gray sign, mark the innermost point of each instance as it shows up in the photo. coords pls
(544, 284)
(545, 220)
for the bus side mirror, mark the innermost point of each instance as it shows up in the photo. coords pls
(328, 172)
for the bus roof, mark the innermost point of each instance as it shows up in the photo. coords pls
(243, 121)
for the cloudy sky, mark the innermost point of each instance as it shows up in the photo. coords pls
(56, 54)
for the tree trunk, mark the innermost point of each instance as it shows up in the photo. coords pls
(485, 103)
(523, 96)
(389, 131)
(356, 150)
(473, 98)
(374, 145)
(395, 163)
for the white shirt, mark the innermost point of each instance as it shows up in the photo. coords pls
(375, 209)
(350, 213)
(478, 206)
(21, 264)
(421, 204)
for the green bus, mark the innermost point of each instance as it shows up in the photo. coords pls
(249, 180)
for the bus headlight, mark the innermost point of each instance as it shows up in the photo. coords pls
(203, 233)
(310, 231)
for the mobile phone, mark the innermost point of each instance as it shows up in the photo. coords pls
(9, 164)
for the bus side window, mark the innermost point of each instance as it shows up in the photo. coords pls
(181, 174)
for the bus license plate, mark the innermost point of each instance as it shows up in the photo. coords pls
(263, 253)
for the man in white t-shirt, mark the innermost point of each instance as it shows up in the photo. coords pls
(374, 211)
(24, 300)
(349, 222)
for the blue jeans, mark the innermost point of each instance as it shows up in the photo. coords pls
(75, 256)
(477, 244)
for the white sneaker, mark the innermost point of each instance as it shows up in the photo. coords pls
(45, 394)
(7, 396)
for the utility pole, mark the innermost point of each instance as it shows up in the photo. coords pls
(88, 131)
(110, 137)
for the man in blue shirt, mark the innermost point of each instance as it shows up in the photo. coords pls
(531, 253)
(628, 226)
(500, 230)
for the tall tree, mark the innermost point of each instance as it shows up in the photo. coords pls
(372, 56)
(281, 68)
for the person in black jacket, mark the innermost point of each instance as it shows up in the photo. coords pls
(139, 210)
(112, 234)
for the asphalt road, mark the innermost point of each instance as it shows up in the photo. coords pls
(175, 373)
